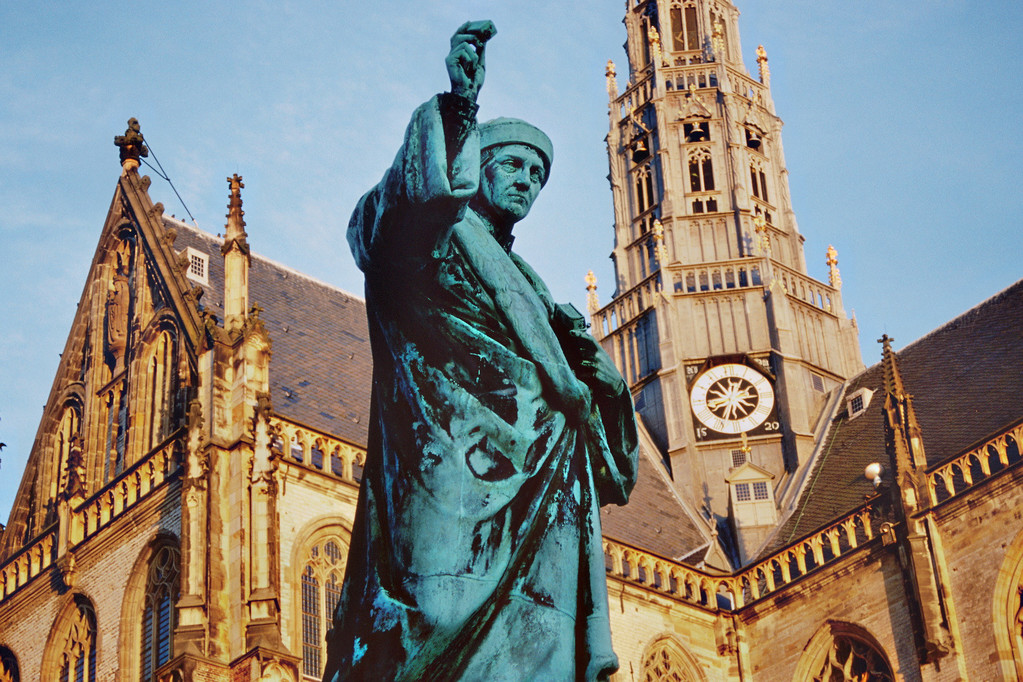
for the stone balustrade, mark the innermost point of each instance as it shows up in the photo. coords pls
(729, 592)
(126, 491)
(958, 474)
(635, 96)
(626, 307)
(318, 451)
(805, 289)
(32, 560)
(681, 76)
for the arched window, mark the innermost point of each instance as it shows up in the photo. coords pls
(842, 652)
(684, 32)
(67, 451)
(667, 661)
(758, 182)
(321, 589)
(71, 654)
(1008, 610)
(644, 189)
(158, 616)
(8, 666)
(701, 171)
(161, 373)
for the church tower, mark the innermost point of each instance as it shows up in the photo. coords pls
(732, 350)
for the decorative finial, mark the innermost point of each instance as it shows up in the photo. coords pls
(746, 449)
(765, 71)
(763, 238)
(659, 247)
(234, 231)
(612, 82)
(132, 147)
(834, 278)
(718, 40)
(655, 45)
(591, 293)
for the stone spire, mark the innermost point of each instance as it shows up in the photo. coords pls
(132, 146)
(236, 260)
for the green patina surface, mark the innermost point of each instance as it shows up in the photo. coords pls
(498, 429)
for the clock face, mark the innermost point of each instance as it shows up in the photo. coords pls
(732, 398)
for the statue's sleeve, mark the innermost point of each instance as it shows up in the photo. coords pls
(616, 476)
(408, 216)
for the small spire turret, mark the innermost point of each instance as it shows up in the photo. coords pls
(236, 259)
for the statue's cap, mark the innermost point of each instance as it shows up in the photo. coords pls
(500, 131)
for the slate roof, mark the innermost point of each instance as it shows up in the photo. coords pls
(655, 518)
(966, 379)
(320, 363)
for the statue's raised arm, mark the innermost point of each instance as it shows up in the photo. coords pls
(499, 425)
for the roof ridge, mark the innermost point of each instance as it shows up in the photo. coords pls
(269, 261)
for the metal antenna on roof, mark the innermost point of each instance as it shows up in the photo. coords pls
(163, 174)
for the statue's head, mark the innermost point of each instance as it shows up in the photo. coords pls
(515, 163)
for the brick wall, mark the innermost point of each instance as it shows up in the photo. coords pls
(103, 565)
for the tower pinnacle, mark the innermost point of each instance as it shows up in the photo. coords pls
(765, 71)
(236, 259)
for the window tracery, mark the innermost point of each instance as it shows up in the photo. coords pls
(158, 615)
(8, 666)
(853, 660)
(666, 661)
(320, 586)
(843, 652)
(78, 654)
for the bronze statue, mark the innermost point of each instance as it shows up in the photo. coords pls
(499, 426)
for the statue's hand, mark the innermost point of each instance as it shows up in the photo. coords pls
(466, 61)
(597, 369)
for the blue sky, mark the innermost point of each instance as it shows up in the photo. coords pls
(902, 141)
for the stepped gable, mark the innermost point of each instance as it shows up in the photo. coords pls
(966, 384)
(320, 365)
(655, 518)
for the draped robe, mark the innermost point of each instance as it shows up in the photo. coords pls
(476, 550)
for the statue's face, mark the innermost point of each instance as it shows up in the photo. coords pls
(511, 180)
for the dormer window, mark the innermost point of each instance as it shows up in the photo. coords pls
(198, 266)
(858, 401)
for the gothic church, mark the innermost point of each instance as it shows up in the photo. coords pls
(185, 512)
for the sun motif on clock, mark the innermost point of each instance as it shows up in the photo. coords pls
(732, 398)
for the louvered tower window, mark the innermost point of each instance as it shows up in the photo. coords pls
(684, 33)
(158, 615)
